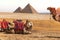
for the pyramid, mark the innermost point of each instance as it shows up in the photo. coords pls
(29, 9)
(18, 10)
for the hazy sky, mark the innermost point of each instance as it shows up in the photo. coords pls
(39, 5)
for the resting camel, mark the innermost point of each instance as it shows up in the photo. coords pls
(55, 15)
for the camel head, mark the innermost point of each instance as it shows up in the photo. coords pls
(49, 8)
(52, 10)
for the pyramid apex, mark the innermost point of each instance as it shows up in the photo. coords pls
(28, 5)
(18, 10)
(28, 9)
(19, 7)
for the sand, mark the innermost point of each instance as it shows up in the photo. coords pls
(44, 28)
(36, 35)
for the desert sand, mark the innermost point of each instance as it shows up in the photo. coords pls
(44, 27)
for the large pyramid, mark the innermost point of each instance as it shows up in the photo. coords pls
(18, 10)
(29, 9)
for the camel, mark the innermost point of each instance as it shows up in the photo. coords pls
(28, 26)
(55, 15)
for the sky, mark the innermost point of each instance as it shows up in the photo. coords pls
(39, 5)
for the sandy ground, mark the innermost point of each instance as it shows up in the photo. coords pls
(42, 30)
(36, 35)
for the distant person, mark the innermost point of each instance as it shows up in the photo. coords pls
(4, 25)
(28, 26)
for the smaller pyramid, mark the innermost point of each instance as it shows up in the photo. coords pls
(29, 9)
(18, 10)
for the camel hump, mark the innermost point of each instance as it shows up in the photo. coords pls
(57, 17)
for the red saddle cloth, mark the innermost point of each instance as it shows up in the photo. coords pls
(4, 24)
(18, 25)
(21, 25)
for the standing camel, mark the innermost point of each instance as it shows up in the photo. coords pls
(55, 15)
